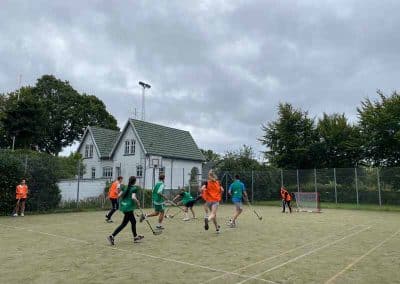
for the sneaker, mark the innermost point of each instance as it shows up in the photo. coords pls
(109, 221)
(22, 214)
(217, 230)
(159, 227)
(137, 238)
(232, 225)
(142, 217)
(15, 215)
(110, 239)
(186, 219)
(206, 224)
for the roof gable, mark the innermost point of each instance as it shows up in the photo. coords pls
(104, 139)
(166, 141)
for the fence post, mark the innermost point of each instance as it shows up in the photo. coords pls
(379, 186)
(334, 181)
(298, 183)
(315, 180)
(281, 177)
(252, 186)
(356, 180)
(77, 189)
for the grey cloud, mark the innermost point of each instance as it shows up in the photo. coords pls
(217, 68)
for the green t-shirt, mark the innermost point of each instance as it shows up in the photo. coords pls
(126, 203)
(237, 189)
(157, 198)
(186, 197)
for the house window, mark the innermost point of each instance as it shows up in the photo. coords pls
(127, 144)
(93, 173)
(161, 171)
(133, 147)
(88, 151)
(139, 171)
(130, 147)
(117, 171)
(107, 172)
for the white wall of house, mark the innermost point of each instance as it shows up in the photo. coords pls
(93, 162)
(128, 163)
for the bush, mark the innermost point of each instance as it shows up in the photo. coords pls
(41, 172)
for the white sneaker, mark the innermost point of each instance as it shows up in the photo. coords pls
(15, 215)
(22, 214)
(186, 219)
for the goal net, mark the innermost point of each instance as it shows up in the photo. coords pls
(307, 201)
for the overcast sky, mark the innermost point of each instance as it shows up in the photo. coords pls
(217, 68)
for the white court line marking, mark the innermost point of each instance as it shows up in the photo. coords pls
(141, 254)
(333, 278)
(303, 255)
(281, 254)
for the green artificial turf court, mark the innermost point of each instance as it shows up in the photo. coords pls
(336, 246)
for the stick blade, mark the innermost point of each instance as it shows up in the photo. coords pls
(156, 233)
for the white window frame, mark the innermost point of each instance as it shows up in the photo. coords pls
(93, 173)
(132, 148)
(118, 171)
(161, 170)
(91, 151)
(127, 147)
(139, 171)
(107, 172)
(87, 151)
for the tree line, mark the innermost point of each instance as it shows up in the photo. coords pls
(49, 116)
(297, 141)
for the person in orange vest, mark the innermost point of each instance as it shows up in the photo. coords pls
(286, 198)
(21, 196)
(212, 194)
(113, 193)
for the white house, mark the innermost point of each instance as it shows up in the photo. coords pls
(142, 149)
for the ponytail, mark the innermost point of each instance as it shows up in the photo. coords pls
(131, 182)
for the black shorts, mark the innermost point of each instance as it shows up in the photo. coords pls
(190, 204)
(114, 203)
(21, 199)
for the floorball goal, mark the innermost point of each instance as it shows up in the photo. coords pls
(307, 201)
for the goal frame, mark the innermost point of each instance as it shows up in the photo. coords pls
(300, 208)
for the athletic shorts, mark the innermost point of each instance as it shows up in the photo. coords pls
(190, 204)
(238, 204)
(21, 199)
(212, 203)
(159, 208)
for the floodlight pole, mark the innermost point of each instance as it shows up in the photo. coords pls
(144, 87)
(19, 84)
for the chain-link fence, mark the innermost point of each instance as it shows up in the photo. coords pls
(56, 184)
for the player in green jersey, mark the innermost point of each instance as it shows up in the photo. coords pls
(158, 199)
(128, 203)
(187, 200)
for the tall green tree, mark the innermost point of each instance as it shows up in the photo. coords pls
(23, 118)
(51, 115)
(289, 139)
(239, 160)
(68, 113)
(210, 155)
(380, 127)
(339, 143)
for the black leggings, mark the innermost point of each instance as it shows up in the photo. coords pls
(288, 205)
(128, 217)
(115, 206)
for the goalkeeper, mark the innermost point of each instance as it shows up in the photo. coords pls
(286, 198)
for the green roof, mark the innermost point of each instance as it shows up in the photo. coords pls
(105, 140)
(166, 141)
